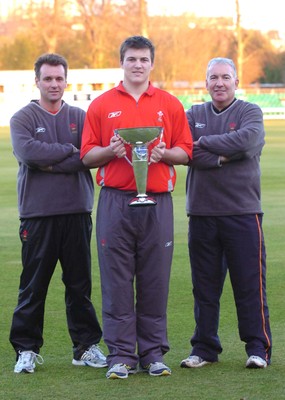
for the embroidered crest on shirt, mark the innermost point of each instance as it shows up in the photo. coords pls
(114, 114)
(73, 127)
(232, 126)
(160, 115)
(104, 245)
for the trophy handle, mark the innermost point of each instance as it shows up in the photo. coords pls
(125, 157)
(139, 140)
(160, 140)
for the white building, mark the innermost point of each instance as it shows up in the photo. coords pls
(17, 88)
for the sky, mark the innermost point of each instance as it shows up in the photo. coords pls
(255, 14)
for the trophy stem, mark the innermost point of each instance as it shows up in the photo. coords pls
(140, 171)
(140, 166)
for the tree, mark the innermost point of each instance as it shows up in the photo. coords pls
(240, 45)
(143, 17)
(184, 46)
(18, 55)
(94, 17)
(91, 39)
(257, 50)
(58, 25)
(106, 24)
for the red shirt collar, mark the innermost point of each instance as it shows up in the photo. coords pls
(149, 91)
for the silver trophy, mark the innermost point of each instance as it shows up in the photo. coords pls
(139, 139)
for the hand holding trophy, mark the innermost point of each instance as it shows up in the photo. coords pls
(139, 139)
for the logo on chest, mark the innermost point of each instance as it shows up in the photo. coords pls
(114, 114)
(40, 129)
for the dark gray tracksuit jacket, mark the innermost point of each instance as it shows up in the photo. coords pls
(41, 139)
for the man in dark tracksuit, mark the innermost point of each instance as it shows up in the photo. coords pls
(225, 225)
(55, 201)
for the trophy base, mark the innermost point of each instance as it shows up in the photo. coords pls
(142, 201)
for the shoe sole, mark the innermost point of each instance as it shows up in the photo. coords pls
(88, 364)
(25, 371)
(114, 375)
(184, 364)
(163, 373)
(253, 365)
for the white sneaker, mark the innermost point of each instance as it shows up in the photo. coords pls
(256, 362)
(120, 371)
(27, 361)
(92, 357)
(194, 362)
(157, 369)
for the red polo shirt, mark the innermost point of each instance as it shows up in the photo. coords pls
(116, 109)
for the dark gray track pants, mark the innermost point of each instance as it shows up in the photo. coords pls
(135, 248)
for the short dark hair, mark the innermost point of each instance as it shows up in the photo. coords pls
(136, 42)
(50, 59)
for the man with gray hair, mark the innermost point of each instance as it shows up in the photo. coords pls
(225, 224)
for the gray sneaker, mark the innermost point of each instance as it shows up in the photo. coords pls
(157, 369)
(27, 362)
(256, 362)
(193, 362)
(120, 371)
(92, 357)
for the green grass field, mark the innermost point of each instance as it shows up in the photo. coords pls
(226, 380)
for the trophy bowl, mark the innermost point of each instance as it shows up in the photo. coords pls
(142, 134)
(139, 139)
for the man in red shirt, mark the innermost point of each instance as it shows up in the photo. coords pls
(135, 244)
